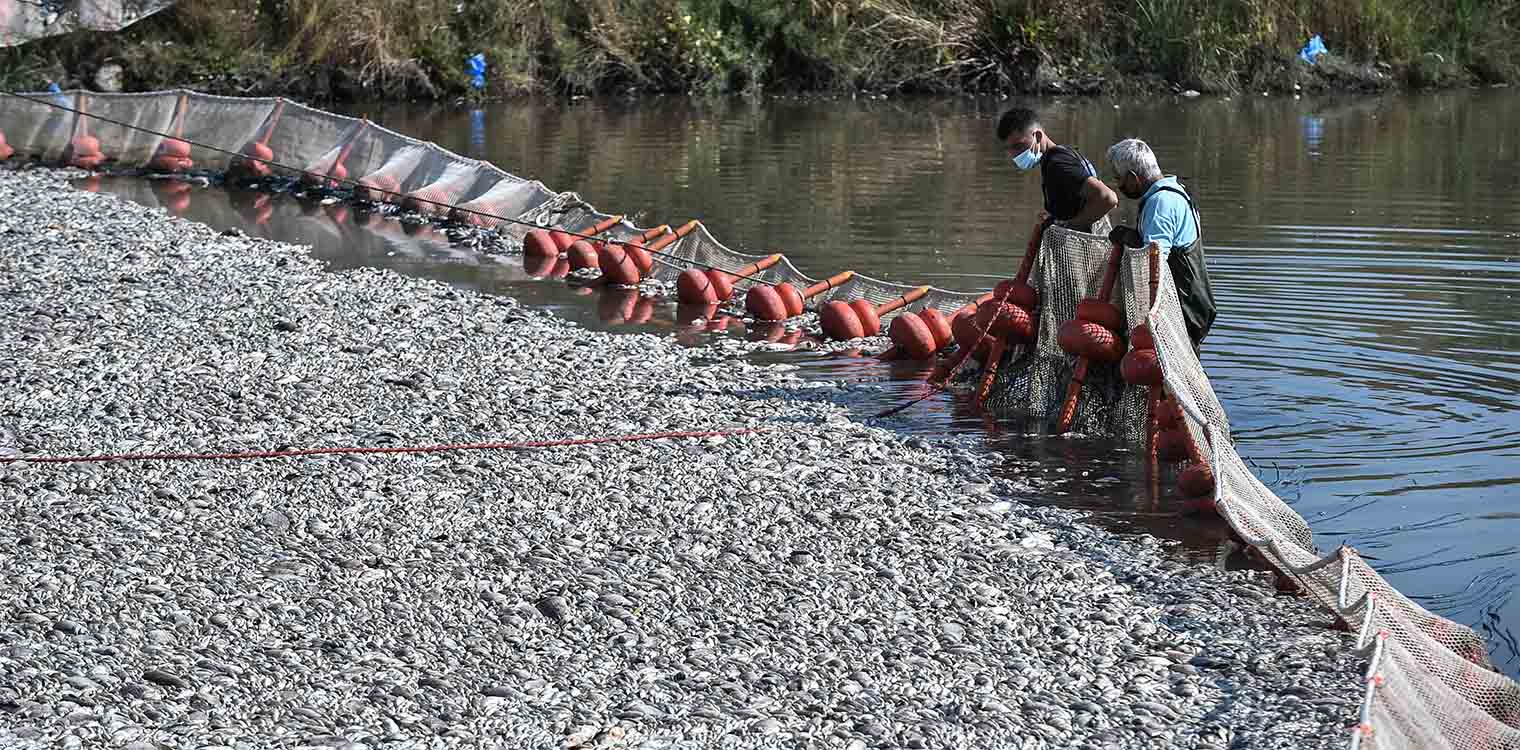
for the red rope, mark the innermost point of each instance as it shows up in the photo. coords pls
(357, 450)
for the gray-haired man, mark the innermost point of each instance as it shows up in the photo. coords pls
(1168, 217)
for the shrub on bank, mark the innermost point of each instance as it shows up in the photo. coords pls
(323, 49)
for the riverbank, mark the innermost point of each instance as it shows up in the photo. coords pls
(825, 582)
(320, 50)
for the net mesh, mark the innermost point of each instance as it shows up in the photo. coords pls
(1430, 682)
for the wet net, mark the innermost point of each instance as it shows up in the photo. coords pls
(1429, 681)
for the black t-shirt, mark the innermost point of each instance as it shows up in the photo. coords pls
(1063, 173)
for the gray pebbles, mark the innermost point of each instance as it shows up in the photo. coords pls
(823, 584)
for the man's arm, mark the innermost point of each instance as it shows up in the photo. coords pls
(1098, 201)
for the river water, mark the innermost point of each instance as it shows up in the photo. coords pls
(1365, 252)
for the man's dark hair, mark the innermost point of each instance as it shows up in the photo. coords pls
(1016, 120)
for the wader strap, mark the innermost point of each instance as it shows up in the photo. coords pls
(1190, 274)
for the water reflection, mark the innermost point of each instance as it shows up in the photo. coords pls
(1365, 251)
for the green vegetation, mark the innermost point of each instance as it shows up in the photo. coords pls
(416, 48)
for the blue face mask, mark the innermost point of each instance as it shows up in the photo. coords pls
(1026, 160)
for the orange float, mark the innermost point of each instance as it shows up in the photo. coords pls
(550, 242)
(83, 150)
(581, 255)
(977, 341)
(620, 267)
(1009, 318)
(256, 154)
(541, 266)
(1141, 367)
(337, 174)
(6, 151)
(1091, 340)
(973, 334)
(697, 286)
(1173, 442)
(782, 301)
(858, 319)
(919, 335)
(173, 154)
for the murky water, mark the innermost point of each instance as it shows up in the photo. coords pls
(1365, 251)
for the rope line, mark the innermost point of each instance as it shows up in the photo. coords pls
(355, 450)
(355, 183)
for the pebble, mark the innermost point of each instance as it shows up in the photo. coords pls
(829, 583)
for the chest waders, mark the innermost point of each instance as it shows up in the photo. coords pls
(1191, 275)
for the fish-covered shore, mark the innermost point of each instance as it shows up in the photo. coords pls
(820, 582)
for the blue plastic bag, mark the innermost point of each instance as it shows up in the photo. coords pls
(59, 96)
(1311, 51)
(477, 67)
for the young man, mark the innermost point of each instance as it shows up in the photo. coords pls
(1073, 193)
(1168, 217)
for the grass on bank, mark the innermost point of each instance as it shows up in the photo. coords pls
(416, 48)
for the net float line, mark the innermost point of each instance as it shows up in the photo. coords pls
(173, 154)
(545, 243)
(919, 335)
(968, 333)
(780, 302)
(619, 263)
(639, 251)
(257, 159)
(1092, 335)
(338, 171)
(1011, 322)
(697, 286)
(860, 318)
(546, 267)
(83, 150)
(1142, 367)
(1167, 434)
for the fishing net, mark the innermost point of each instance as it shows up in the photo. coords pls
(1429, 684)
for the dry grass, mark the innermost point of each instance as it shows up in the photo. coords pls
(417, 48)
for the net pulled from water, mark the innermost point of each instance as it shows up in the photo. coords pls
(1429, 681)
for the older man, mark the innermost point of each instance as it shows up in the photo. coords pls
(1074, 194)
(1169, 218)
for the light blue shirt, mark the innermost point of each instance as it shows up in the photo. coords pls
(1167, 220)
